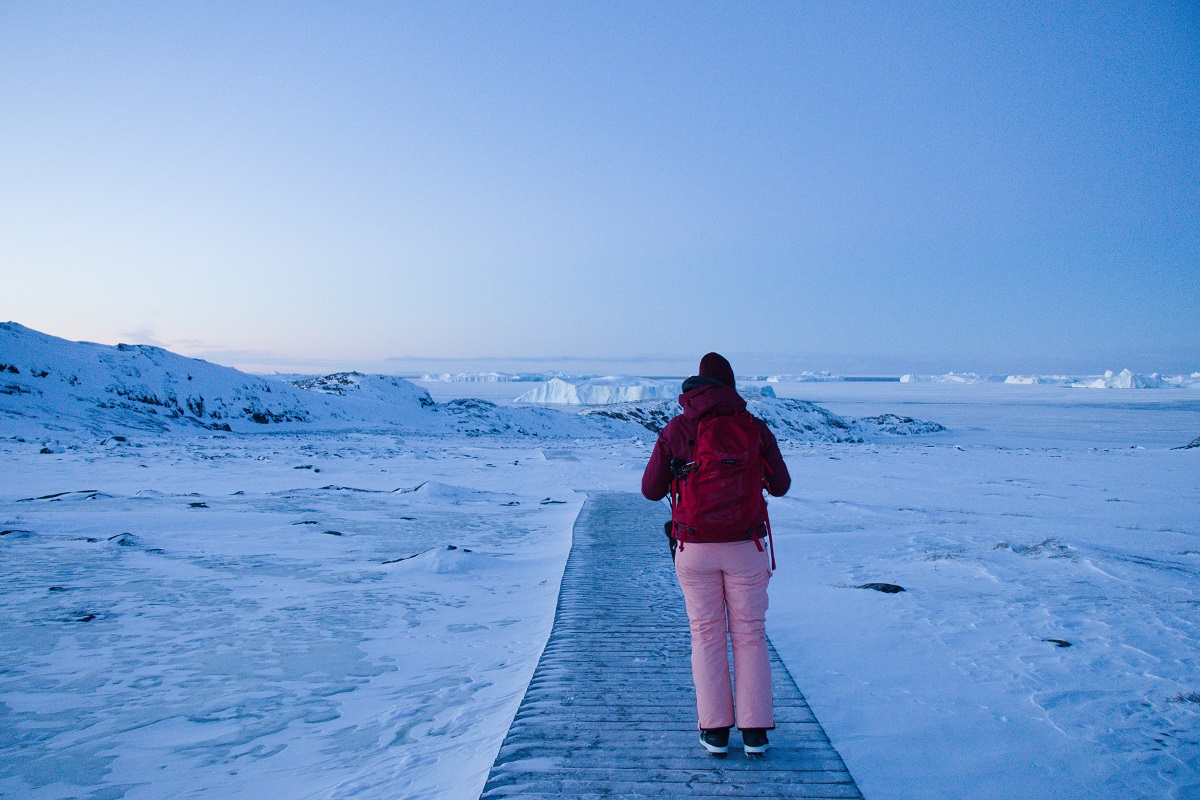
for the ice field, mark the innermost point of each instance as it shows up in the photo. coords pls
(342, 607)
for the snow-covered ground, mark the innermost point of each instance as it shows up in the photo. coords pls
(276, 610)
(271, 616)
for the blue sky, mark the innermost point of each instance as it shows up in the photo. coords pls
(884, 187)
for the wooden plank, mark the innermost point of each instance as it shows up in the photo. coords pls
(610, 711)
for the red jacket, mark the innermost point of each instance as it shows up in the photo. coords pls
(678, 440)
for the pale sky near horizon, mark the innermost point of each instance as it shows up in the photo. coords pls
(884, 187)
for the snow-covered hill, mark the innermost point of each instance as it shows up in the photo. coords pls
(47, 380)
(790, 420)
(53, 387)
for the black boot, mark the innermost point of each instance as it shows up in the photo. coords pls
(755, 742)
(715, 741)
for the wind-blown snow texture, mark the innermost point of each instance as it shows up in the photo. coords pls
(276, 611)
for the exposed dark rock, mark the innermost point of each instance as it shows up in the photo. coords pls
(1058, 642)
(332, 533)
(653, 416)
(886, 588)
(1194, 443)
(88, 495)
(903, 426)
(17, 533)
(264, 416)
(46, 451)
(197, 505)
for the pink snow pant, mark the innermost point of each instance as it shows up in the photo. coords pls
(725, 587)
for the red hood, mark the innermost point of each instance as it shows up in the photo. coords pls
(703, 399)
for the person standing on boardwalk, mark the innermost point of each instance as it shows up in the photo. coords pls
(715, 459)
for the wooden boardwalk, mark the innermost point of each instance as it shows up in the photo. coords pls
(610, 711)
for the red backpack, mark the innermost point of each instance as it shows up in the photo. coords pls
(718, 495)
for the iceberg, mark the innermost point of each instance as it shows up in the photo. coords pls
(600, 391)
(1122, 380)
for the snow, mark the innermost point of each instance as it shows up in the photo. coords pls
(353, 602)
(999, 550)
(216, 621)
